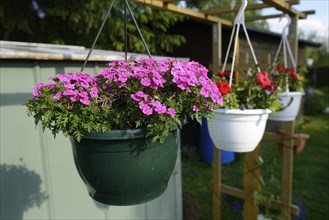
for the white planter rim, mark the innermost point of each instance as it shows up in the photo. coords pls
(243, 112)
(285, 94)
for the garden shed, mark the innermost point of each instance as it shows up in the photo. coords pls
(199, 44)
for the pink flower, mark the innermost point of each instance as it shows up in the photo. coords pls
(147, 110)
(85, 101)
(138, 95)
(94, 92)
(83, 94)
(36, 93)
(158, 107)
(196, 108)
(146, 81)
(74, 98)
(68, 85)
(63, 78)
(171, 112)
(69, 92)
(144, 106)
(58, 96)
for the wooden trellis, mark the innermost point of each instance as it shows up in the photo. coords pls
(250, 183)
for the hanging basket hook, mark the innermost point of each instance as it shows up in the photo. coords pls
(286, 27)
(239, 19)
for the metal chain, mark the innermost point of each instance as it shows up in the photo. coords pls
(125, 6)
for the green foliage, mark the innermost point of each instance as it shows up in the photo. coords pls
(77, 22)
(269, 190)
(320, 55)
(316, 101)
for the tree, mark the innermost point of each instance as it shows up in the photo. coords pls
(77, 22)
(319, 55)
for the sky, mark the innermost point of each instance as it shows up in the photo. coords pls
(318, 22)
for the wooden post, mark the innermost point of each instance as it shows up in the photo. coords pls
(293, 38)
(289, 129)
(216, 46)
(217, 185)
(287, 169)
(251, 180)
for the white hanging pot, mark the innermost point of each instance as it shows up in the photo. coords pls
(291, 103)
(238, 130)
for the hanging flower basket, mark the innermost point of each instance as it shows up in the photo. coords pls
(238, 130)
(240, 124)
(122, 167)
(291, 80)
(291, 102)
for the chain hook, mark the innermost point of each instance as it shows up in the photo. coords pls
(239, 19)
(286, 27)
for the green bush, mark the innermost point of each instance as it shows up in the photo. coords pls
(316, 100)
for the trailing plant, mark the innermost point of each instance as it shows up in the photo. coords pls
(148, 93)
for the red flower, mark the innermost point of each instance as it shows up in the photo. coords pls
(220, 73)
(263, 80)
(289, 71)
(308, 121)
(223, 74)
(274, 86)
(279, 67)
(223, 87)
(293, 76)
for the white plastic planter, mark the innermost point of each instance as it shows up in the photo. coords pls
(291, 102)
(238, 130)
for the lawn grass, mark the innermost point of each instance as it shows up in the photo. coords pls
(310, 180)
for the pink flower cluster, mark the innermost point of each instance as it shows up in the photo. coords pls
(149, 82)
(77, 87)
(152, 75)
(36, 89)
(191, 74)
(147, 105)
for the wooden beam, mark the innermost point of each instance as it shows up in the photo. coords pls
(277, 205)
(184, 11)
(283, 6)
(238, 193)
(241, 194)
(222, 10)
(170, 1)
(262, 17)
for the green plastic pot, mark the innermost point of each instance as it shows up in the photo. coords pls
(122, 167)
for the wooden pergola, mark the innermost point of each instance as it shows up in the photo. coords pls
(287, 134)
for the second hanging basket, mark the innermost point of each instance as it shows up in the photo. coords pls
(291, 102)
(238, 130)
